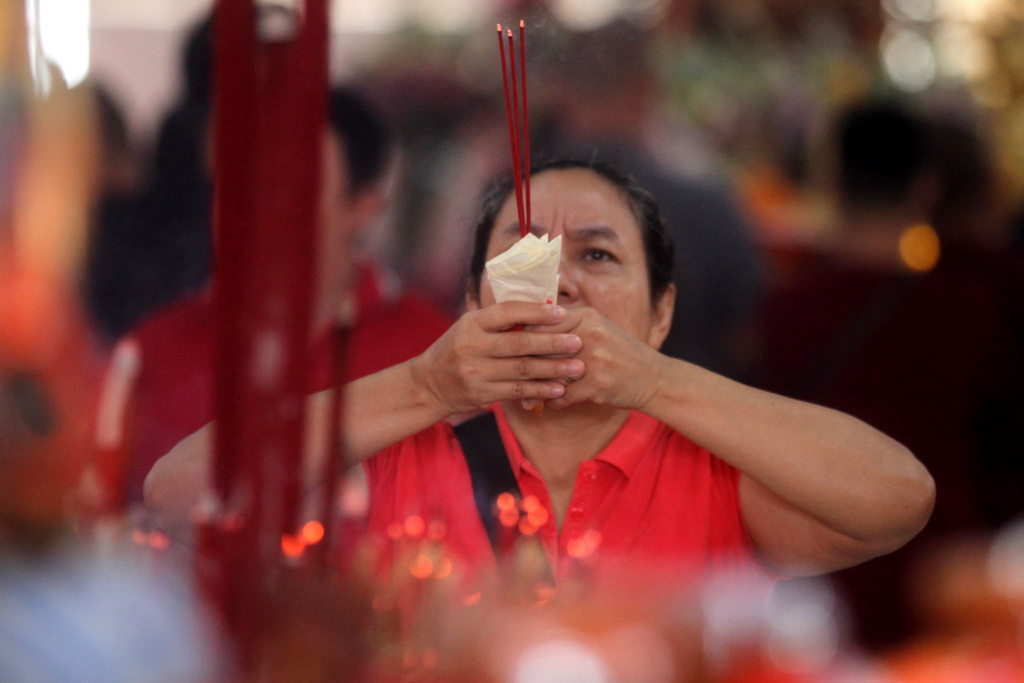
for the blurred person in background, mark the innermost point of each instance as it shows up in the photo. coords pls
(174, 389)
(895, 323)
(114, 269)
(451, 139)
(157, 247)
(604, 100)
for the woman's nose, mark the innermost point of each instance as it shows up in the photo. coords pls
(568, 284)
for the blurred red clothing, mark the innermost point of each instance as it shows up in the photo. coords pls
(173, 393)
(652, 496)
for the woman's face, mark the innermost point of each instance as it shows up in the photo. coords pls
(603, 260)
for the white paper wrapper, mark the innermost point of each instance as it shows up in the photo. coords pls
(528, 271)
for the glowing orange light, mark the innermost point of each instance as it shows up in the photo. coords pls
(472, 598)
(444, 569)
(585, 545)
(414, 525)
(531, 503)
(292, 546)
(920, 247)
(538, 517)
(159, 541)
(422, 567)
(395, 530)
(544, 595)
(526, 527)
(313, 532)
(509, 517)
(30, 313)
(506, 501)
(436, 530)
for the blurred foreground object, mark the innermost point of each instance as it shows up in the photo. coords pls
(69, 615)
(970, 593)
(67, 611)
(48, 371)
(258, 569)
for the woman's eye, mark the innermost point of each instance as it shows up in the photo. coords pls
(598, 255)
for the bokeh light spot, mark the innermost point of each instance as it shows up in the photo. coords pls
(414, 525)
(920, 247)
(313, 532)
(422, 567)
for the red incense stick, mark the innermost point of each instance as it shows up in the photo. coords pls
(526, 125)
(512, 124)
(518, 156)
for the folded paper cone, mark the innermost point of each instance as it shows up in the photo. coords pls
(528, 271)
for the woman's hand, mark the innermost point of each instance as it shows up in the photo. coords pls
(510, 351)
(620, 370)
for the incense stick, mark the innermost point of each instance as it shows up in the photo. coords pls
(524, 228)
(512, 123)
(526, 125)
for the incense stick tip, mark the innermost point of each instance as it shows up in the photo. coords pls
(510, 33)
(522, 24)
(499, 28)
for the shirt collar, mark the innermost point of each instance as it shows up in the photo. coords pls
(624, 452)
(515, 454)
(630, 444)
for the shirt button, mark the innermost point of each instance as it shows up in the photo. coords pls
(590, 476)
(576, 511)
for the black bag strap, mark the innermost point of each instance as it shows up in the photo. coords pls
(489, 468)
(491, 474)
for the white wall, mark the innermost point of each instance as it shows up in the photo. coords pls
(136, 45)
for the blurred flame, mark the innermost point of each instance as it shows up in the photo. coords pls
(313, 532)
(414, 525)
(422, 567)
(292, 546)
(444, 569)
(509, 517)
(526, 527)
(538, 517)
(920, 247)
(159, 540)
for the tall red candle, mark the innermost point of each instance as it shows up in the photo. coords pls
(270, 96)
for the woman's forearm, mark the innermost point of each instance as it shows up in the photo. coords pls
(835, 468)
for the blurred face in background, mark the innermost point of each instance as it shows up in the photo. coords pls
(345, 215)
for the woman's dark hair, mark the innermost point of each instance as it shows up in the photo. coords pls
(658, 250)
